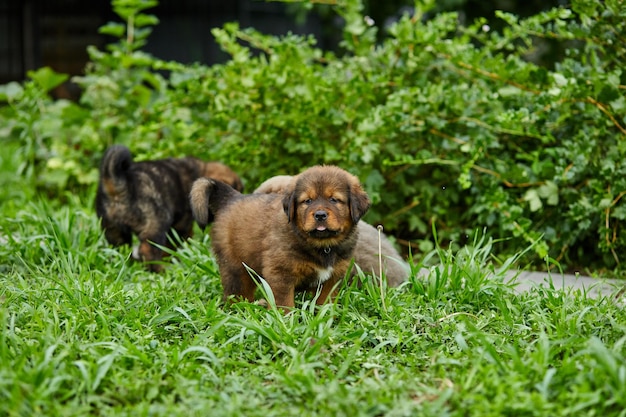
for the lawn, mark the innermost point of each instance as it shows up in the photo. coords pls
(85, 331)
(452, 126)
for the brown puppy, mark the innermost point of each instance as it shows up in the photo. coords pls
(150, 198)
(366, 254)
(303, 240)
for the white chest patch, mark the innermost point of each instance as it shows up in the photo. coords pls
(324, 274)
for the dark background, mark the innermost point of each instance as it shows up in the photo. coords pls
(56, 33)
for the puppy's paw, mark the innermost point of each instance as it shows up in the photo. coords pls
(135, 253)
(263, 303)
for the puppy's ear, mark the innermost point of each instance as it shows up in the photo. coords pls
(289, 205)
(359, 202)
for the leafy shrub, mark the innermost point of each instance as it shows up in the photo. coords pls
(445, 124)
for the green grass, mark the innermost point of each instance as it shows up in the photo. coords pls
(85, 331)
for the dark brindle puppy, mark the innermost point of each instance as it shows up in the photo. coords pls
(150, 198)
(303, 240)
(366, 254)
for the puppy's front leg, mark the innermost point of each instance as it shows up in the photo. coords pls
(117, 235)
(237, 283)
(284, 294)
(149, 253)
(329, 290)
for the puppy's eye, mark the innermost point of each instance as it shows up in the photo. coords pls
(308, 201)
(333, 200)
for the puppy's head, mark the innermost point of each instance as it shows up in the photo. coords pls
(325, 203)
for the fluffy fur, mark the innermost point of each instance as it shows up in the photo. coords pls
(150, 198)
(366, 254)
(301, 240)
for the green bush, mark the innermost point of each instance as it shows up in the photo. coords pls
(445, 124)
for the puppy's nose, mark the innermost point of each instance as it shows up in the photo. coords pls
(320, 215)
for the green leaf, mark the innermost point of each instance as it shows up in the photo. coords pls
(532, 197)
(549, 192)
(146, 20)
(608, 93)
(113, 29)
(47, 79)
(11, 91)
(508, 91)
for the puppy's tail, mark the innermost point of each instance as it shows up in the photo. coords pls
(114, 167)
(207, 197)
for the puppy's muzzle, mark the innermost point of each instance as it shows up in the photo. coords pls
(320, 215)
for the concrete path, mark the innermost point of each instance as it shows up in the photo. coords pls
(594, 287)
